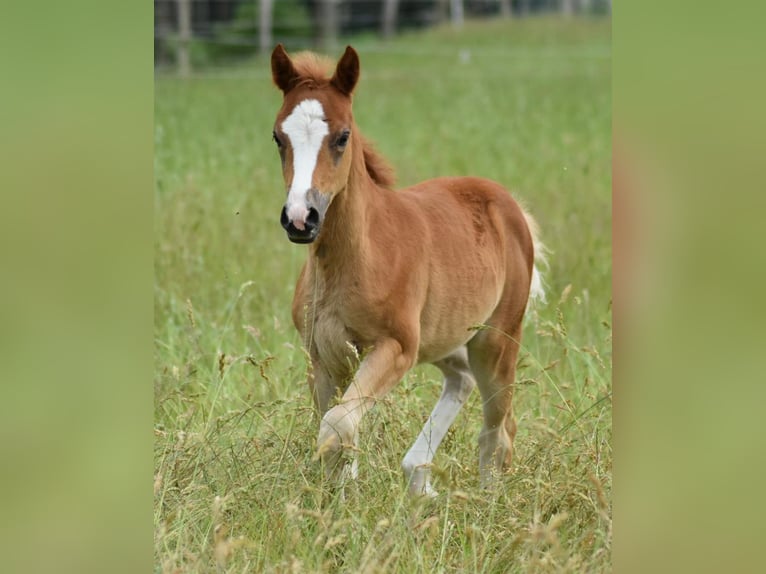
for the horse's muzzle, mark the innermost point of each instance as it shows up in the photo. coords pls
(310, 227)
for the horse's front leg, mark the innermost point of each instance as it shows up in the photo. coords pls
(324, 386)
(326, 389)
(378, 373)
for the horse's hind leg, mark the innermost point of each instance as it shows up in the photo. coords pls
(492, 354)
(458, 384)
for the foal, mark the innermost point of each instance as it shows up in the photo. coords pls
(396, 277)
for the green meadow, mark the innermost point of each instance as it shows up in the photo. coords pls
(236, 486)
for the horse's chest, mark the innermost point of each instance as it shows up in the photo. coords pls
(336, 343)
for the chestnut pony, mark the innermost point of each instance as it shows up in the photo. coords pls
(396, 278)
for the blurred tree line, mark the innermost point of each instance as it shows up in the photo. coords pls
(202, 32)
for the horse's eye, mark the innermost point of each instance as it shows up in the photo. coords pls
(275, 137)
(343, 139)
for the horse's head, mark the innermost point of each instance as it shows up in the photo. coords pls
(313, 134)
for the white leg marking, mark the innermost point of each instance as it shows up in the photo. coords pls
(351, 469)
(306, 129)
(337, 431)
(458, 383)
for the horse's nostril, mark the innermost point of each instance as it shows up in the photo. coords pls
(313, 217)
(283, 218)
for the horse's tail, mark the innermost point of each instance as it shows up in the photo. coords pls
(537, 287)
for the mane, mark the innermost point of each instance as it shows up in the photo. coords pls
(377, 166)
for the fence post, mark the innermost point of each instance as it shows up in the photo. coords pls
(456, 9)
(184, 37)
(328, 25)
(505, 8)
(390, 13)
(265, 20)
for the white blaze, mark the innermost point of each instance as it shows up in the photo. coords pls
(306, 128)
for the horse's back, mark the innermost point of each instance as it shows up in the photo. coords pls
(479, 212)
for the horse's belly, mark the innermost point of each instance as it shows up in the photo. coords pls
(450, 318)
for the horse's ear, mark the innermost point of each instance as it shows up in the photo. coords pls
(346, 72)
(282, 70)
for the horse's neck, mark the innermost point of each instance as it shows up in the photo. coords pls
(344, 239)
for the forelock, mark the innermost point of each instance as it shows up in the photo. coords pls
(314, 70)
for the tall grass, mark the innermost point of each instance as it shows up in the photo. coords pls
(236, 488)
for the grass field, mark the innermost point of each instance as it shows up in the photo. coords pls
(236, 489)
